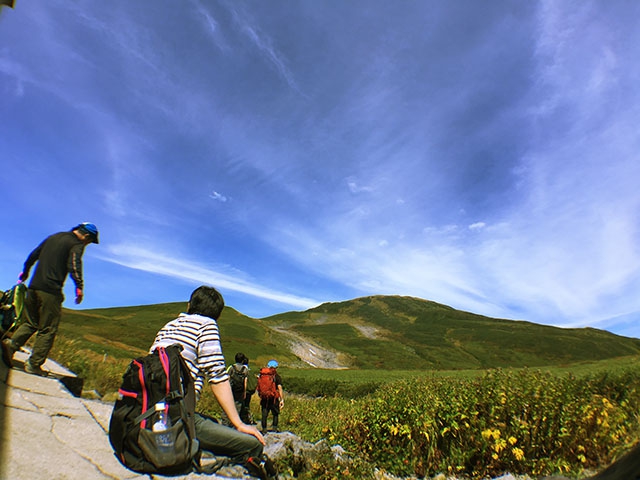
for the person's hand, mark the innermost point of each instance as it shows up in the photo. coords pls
(281, 402)
(22, 277)
(79, 296)
(251, 430)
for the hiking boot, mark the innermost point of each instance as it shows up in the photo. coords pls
(261, 468)
(7, 352)
(34, 370)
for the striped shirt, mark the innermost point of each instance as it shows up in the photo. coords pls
(201, 349)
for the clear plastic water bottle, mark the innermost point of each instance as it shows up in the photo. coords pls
(164, 441)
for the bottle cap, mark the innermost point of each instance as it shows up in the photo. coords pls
(159, 406)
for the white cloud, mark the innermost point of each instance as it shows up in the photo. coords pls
(169, 264)
(218, 197)
(355, 188)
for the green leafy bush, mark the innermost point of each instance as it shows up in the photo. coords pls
(318, 387)
(523, 422)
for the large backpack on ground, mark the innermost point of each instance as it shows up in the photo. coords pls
(163, 377)
(267, 387)
(12, 307)
(236, 379)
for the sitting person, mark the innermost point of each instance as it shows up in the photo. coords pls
(197, 332)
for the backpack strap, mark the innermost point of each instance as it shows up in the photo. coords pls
(144, 416)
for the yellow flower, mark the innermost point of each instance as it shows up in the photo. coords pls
(513, 440)
(518, 453)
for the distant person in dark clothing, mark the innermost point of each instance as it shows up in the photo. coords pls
(58, 255)
(238, 381)
(271, 394)
(252, 384)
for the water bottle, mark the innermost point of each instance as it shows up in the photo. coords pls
(164, 442)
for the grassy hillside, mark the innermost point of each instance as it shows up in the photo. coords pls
(391, 332)
(383, 332)
(126, 332)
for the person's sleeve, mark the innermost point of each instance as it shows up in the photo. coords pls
(31, 259)
(210, 358)
(75, 265)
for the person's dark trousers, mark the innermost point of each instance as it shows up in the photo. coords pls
(224, 419)
(271, 405)
(245, 410)
(227, 441)
(45, 310)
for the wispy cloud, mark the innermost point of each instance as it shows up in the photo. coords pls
(168, 264)
(218, 197)
(264, 45)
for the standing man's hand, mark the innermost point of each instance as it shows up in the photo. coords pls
(22, 277)
(79, 296)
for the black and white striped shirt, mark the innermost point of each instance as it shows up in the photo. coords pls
(200, 339)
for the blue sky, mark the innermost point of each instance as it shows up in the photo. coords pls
(484, 155)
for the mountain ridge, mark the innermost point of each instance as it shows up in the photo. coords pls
(374, 332)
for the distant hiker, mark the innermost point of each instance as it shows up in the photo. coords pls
(271, 394)
(252, 384)
(238, 381)
(197, 332)
(58, 255)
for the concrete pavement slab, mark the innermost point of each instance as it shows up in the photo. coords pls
(47, 433)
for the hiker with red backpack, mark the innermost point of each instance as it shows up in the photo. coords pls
(271, 394)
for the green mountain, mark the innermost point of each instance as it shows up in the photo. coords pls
(384, 332)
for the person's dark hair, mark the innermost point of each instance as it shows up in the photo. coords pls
(240, 357)
(206, 301)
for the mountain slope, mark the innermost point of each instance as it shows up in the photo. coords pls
(404, 332)
(387, 332)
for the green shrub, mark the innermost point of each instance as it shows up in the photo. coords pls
(318, 387)
(524, 422)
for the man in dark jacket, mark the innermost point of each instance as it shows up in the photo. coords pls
(58, 255)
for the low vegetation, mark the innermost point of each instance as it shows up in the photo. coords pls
(557, 417)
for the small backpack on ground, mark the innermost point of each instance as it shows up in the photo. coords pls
(236, 379)
(267, 383)
(163, 377)
(12, 307)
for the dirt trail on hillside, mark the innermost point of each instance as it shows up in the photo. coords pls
(312, 353)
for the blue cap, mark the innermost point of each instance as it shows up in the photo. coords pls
(89, 228)
(272, 364)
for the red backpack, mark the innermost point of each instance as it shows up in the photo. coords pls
(267, 383)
